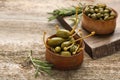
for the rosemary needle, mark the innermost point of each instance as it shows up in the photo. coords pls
(40, 66)
(65, 12)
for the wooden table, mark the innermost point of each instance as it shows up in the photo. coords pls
(22, 23)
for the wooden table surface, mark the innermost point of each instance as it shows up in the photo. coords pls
(22, 23)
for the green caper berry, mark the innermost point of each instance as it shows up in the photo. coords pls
(58, 49)
(63, 33)
(71, 39)
(65, 53)
(73, 48)
(55, 41)
(66, 44)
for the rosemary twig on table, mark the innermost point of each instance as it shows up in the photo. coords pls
(65, 12)
(40, 66)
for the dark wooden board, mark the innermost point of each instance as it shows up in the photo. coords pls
(98, 46)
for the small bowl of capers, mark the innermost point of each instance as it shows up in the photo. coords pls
(65, 50)
(99, 18)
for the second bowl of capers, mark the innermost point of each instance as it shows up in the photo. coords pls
(99, 18)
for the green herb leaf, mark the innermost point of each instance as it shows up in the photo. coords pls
(40, 66)
(65, 12)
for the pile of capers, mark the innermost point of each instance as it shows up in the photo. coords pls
(99, 12)
(63, 43)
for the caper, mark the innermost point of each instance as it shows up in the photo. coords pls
(96, 7)
(106, 11)
(108, 8)
(71, 39)
(112, 13)
(87, 10)
(96, 10)
(57, 49)
(89, 15)
(101, 5)
(91, 6)
(66, 53)
(111, 17)
(66, 44)
(92, 11)
(94, 16)
(101, 10)
(55, 41)
(106, 14)
(98, 15)
(106, 17)
(102, 15)
(73, 48)
(63, 33)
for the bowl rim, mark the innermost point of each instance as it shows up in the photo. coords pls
(83, 12)
(83, 45)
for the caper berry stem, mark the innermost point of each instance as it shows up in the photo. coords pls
(44, 39)
(57, 27)
(75, 26)
(66, 48)
(76, 15)
(80, 33)
(81, 41)
(92, 33)
(75, 33)
(80, 49)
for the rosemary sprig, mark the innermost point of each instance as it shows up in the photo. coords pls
(65, 12)
(40, 66)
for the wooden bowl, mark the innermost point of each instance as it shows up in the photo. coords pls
(99, 26)
(62, 62)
